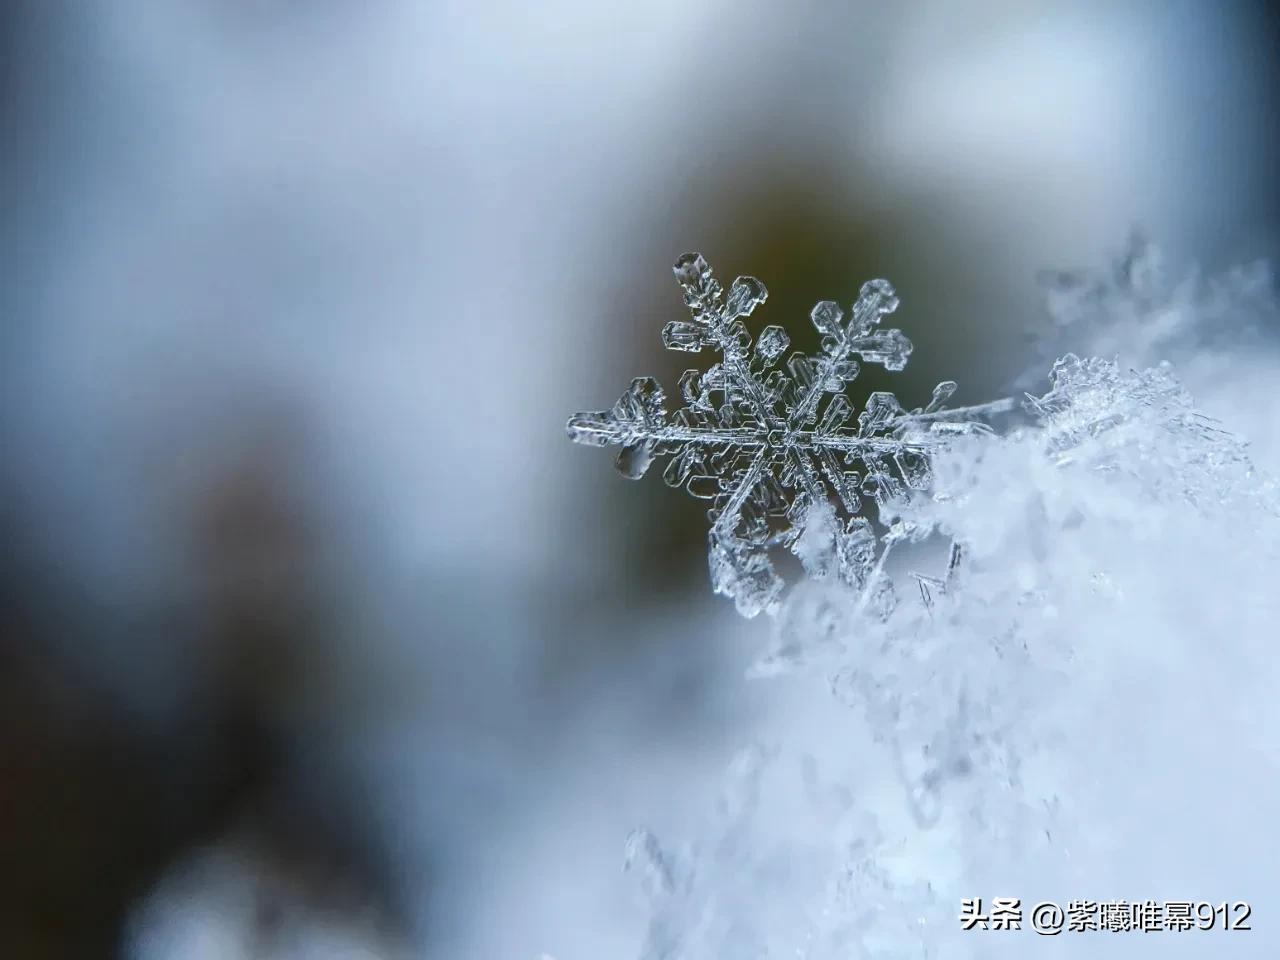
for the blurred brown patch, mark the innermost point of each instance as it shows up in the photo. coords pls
(96, 805)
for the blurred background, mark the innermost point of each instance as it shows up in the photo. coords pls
(317, 636)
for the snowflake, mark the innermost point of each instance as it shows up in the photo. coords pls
(778, 450)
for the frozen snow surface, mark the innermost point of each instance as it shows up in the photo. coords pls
(1075, 701)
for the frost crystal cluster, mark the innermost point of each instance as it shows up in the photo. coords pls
(772, 445)
(1098, 673)
(1081, 709)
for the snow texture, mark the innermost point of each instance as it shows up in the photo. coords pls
(1081, 709)
(779, 451)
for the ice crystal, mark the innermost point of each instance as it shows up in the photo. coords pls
(1093, 401)
(1004, 735)
(773, 447)
(1093, 663)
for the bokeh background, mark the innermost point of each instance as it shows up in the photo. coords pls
(317, 636)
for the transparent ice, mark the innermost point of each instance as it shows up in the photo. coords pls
(1080, 706)
(772, 446)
